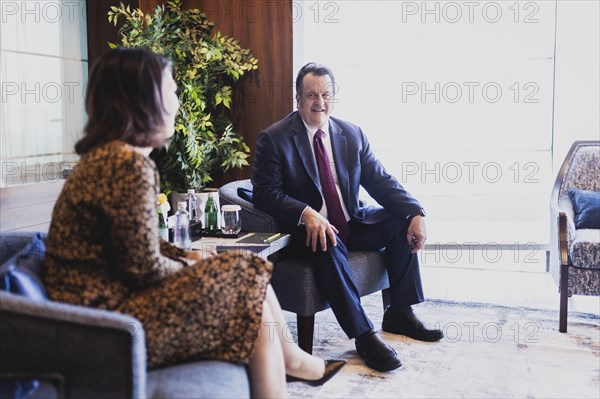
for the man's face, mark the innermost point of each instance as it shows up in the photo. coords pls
(315, 105)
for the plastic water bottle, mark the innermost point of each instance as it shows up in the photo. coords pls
(163, 227)
(191, 205)
(182, 228)
(210, 214)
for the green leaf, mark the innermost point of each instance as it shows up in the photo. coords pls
(207, 68)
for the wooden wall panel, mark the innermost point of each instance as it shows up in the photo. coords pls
(149, 5)
(265, 27)
(99, 31)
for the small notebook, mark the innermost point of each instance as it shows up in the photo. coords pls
(259, 238)
(253, 248)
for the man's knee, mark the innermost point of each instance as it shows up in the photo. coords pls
(396, 227)
(339, 249)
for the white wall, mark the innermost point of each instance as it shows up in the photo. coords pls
(481, 165)
(577, 94)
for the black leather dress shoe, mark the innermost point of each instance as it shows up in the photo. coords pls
(407, 323)
(377, 354)
(331, 369)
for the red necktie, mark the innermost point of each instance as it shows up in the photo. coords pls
(335, 214)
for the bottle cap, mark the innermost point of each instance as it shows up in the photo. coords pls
(191, 191)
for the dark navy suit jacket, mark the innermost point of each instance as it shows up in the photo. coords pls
(285, 175)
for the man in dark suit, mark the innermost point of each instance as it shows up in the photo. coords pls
(307, 172)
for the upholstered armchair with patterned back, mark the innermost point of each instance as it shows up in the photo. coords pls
(575, 230)
(293, 278)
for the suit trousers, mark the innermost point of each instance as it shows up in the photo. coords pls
(334, 278)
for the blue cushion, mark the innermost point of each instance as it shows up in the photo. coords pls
(587, 208)
(245, 194)
(22, 273)
(18, 388)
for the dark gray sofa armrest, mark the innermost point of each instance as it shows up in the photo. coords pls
(252, 219)
(97, 353)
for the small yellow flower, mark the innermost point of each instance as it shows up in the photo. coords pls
(161, 199)
(162, 204)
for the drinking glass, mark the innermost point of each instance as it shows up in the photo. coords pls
(230, 219)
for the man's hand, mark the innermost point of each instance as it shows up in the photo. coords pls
(416, 234)
(317, 229)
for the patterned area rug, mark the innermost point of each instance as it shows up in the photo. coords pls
(488, 352)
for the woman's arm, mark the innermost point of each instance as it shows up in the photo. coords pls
(134, 237)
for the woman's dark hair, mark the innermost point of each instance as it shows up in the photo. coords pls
(124, 99)
(317, 70)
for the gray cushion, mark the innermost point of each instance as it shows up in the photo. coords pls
(204, 379)
(583, 281)
(585, 249)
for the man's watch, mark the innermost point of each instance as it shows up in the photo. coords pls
(420, 212)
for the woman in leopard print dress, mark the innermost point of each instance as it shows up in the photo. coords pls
(103, 248)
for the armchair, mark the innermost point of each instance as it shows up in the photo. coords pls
(575, 253)
(293, 278)
(80, 352)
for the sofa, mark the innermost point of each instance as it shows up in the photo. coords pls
(55, 350)
(575, 225)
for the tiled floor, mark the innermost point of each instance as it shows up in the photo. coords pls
(502, 287)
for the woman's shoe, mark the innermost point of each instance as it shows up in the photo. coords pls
(331, 369)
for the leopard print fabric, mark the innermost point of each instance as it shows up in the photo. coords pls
(103, 251)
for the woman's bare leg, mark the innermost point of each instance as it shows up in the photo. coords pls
(267, 365)
(297, 362)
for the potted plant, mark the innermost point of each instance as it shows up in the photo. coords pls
(207, 66)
